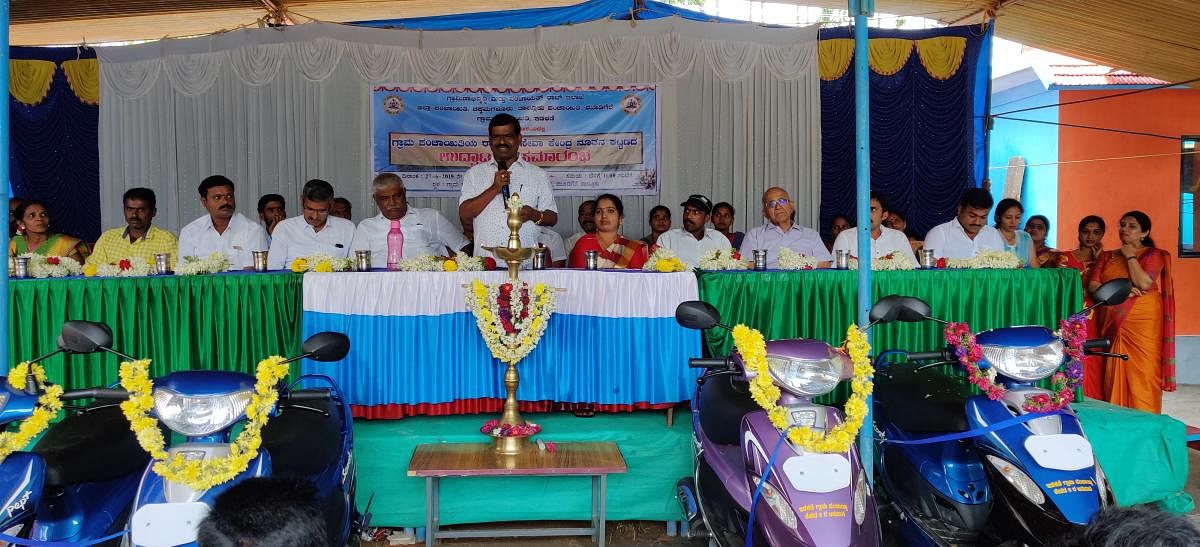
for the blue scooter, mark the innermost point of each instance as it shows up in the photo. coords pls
(962, 469)
(78, 482)
(309, 437)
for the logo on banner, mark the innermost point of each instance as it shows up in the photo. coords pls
(393, 104)
(631, 104)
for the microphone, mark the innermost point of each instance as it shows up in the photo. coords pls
(501, 165)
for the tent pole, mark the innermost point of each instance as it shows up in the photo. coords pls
(4, 181)
(861, 9)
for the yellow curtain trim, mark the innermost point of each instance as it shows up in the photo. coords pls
(84, 77)
(29, 80)
(942, 56)
(834, 57)
(888, 55)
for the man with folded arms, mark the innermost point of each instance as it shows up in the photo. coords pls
(780, 231)
(694, 240)
(967, 233)
(314, 231)
(223, 229)
(139, 238)
(884, 240)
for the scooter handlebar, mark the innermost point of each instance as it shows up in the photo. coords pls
(701, 362)
(96, 393)
(941, 355)
(1096, 343)
(307, 395)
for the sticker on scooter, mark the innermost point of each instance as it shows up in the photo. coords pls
(19, 505)
(1071, 486)
(823, 511)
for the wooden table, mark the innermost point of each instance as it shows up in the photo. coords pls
(439, 460)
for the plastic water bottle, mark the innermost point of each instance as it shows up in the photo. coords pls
(395, 246)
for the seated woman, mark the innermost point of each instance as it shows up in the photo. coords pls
(660, 222)
(615, 250)
(1016, 241)
(1091, 234)
(1038, 226)
(33, 227)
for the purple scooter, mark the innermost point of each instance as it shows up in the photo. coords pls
(808, 498)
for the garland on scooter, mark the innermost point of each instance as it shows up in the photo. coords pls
(200, 475)
(48, 405)
(1072, 330)
(753, 349)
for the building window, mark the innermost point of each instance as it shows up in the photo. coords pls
(1189, 189)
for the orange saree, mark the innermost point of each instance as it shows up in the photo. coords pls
(1142, 327)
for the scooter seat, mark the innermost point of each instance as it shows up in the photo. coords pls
(723, 402)
(92, 446)
(922, 401)
(305, 438)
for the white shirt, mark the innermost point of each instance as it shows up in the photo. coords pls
(688, 248)
(426, 232)
(200, 239)
(949, 240)
(889, 241)
(491, 225)
(548, 237)
(801, 239)
(571, 241)
(294, 238)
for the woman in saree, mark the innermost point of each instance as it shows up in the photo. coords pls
(1016, 241)
(1091, 236)
(33, 235)
(1038, 227)
(616, 251)
(1142, 327)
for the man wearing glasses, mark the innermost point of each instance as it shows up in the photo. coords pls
(780, 231)
(314, 231)
(693, 240)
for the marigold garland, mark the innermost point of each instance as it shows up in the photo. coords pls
(1072, 331)
(48, 405)
(511, 319)
(753, 349)
(195, 474)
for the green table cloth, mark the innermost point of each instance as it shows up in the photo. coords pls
(225, 321)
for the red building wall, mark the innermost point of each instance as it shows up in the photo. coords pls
(1149, 184)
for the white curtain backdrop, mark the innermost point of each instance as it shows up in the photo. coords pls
(739, 108)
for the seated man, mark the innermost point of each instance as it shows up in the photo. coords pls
(780, 231)
(884, 240)
(314, 231)
(968, 233)
(271, 210)
(426, 231)
(587, 221)
(139, 238)
(549, 240)
(223, 229)
(341, 208)
(265, 512)
(691, 242)
(722, 219)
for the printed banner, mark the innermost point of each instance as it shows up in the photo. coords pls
(589, 139)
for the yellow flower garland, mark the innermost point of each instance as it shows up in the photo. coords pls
(200, 475)
(753, 349)
(510, 348)
(48, 405)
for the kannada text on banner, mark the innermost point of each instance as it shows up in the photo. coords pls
(589, 139)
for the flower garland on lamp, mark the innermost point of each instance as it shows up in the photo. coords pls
(753, 349)
(49, 403)
(200, 475)
(1072, 330)
(511, 327)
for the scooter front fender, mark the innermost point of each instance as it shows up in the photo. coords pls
(21, 478)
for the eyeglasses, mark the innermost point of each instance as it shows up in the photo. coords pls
(778, 203)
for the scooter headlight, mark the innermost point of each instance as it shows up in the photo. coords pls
(1018, 479)
(860, 498)
(197, 416)
(807, 377)
(1025, 363)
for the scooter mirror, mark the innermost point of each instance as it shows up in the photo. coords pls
(326, 346)
(913, 310)
(1113, 292)
(886, 309)
(695, 314)
(84, 337)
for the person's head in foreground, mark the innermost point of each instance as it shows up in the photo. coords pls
(265, 512)
(1133, 527)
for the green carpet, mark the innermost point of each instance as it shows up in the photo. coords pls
(657, 457)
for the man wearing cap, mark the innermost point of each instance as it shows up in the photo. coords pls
(693, 240)
(779, 231)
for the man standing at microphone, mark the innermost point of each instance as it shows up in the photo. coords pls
(487, 186)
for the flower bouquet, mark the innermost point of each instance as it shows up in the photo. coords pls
(791, 260)
(126, 267)
(42, 266)
(986, 259)
(320, 262)
(663, 260)
(213, 263)
(722, 259)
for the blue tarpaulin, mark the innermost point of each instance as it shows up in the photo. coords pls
(591, 10)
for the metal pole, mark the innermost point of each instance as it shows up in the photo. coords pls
(4, 182)
(861, 9)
